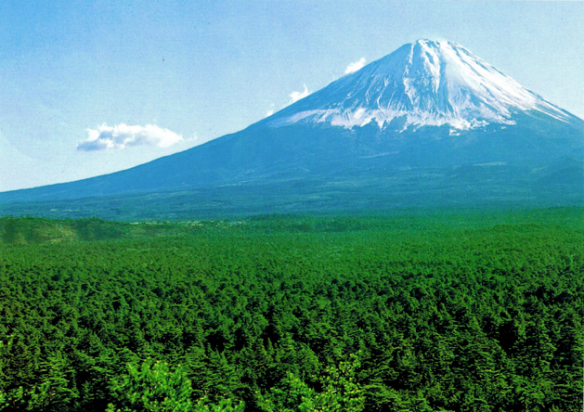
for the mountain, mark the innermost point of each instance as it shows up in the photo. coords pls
(429, 124)
(427, 83)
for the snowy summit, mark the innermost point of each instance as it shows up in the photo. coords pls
(426, 83)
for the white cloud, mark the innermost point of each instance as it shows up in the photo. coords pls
(353, 67)
(122, 136)
(295, 96)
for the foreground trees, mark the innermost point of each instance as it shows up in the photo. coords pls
(286, 314)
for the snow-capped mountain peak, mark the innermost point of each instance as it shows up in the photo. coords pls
(426, 83)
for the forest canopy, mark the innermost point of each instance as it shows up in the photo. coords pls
(475, 311)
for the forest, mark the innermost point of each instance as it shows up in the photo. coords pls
(434, 311)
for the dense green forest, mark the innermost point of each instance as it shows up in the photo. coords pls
(474, 311)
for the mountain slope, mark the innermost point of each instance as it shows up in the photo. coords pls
(414, 121)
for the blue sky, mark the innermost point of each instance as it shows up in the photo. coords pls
(157, 77)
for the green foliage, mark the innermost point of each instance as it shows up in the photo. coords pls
(224, 405)
(42, 231)
(340, 393)
(151, 387)
(292, 395)
(451, 312)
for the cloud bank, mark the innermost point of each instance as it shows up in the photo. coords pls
(353, 67)
(295, 96)
(122, 136)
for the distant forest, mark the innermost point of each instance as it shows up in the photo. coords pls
(474, 311)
